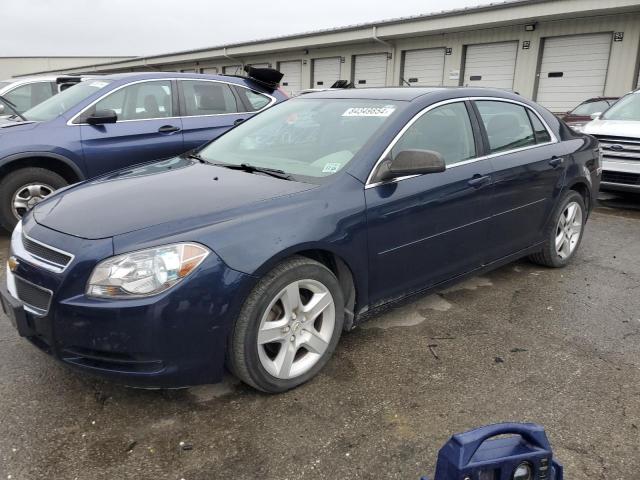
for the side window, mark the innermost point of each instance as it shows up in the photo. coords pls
(507, 124)
(541, 133)
(446, 130)
(255, 100)
(207, 98)
(140, 101)
(29, 95)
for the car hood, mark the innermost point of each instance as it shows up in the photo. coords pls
(8, 126)
(173, 190)
(616, 128)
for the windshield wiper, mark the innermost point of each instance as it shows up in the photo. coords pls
(13, 107)
(196, 156)
(245, 167)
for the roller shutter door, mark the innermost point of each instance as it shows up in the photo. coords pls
(291, 81)
(259, 65)
(573, 69)
(233, 70)
(370, 70)
(490, 65)
(423, 68)
(326, 71)
(209, 70)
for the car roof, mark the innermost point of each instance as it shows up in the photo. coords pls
(32, 78)
(409, 94)
(133, 76)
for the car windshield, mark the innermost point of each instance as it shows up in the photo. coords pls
(58, 104)
(305, 137)
(627, 108)
(588, 108)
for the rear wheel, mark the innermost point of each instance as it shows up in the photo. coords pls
(23, 189)
(564, 232)
(289, 326)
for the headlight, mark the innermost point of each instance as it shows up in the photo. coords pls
(523, 472)
(146, 272)
(578, 127)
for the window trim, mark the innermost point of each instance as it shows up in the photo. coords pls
(554, 139)
(173, 81)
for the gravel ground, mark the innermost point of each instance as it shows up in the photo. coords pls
(523, 343)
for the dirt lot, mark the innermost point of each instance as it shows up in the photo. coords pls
(558, 347)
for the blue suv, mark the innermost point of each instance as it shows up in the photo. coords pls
(107, 123)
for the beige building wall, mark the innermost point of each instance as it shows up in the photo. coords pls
(14, 66)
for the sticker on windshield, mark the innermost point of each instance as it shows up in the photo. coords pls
(331, 167)
(369, 111)
(98, 84)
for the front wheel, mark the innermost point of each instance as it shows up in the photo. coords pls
(564, 232)
(23, 189)
(289, 326)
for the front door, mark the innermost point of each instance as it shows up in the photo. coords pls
(426, 229)
(147, 128)
(528, 172)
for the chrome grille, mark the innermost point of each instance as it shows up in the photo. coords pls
(33, 296)
(619, 148)
(45, 253)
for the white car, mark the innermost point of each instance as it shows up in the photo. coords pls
(618, 130)
(27, 92)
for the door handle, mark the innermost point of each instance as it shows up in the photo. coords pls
(556, 161)
(168, 129)
(238, 121)
(478, 181)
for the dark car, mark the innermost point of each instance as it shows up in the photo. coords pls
(582, 114)
(108, 123)
(259, 250)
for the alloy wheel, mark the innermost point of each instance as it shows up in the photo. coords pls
(28, 196)
(568, 230)
(296, 329)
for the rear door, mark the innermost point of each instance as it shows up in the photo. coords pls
(528, 169)
(148, 127)
(211, 107)
(426, 229)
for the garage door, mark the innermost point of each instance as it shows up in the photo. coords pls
(370, 70)
(572, 70)
(259, 65)
(291, 81)
(490, 65)
(423, 67)
(209, 70)
(232, 70)
(326, 71)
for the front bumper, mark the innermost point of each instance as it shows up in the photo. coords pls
(620, 175)
(174, 339)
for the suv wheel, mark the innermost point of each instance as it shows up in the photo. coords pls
(23, 189)
(289, 326)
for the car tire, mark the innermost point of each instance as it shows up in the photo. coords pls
(270, 313)
(562, 241)
(18, 182)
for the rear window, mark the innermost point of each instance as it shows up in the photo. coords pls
(590, 108)
(254, 100)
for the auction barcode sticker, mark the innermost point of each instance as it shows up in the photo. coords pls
(369, 111)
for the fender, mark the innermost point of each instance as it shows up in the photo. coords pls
(69, 163)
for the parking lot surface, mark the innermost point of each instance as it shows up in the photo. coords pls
(523, 343)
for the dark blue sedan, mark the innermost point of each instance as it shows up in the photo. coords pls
(257, 251)
(110, 122)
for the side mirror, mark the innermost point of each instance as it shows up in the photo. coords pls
(1, 108)
(595, 116)
(100, 117)
(411, 162)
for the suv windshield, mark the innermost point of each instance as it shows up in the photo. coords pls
(58, 104)
(588, 108)
(627, 108)
(311, 138)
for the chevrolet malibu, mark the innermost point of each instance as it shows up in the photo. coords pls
(258, 250)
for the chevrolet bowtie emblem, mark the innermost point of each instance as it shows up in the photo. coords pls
(13, 264)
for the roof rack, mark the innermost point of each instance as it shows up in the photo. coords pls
(266, 77)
